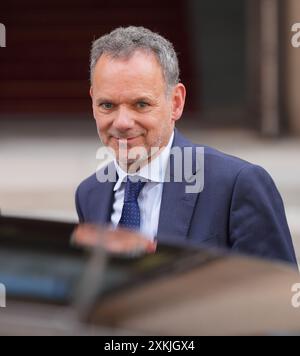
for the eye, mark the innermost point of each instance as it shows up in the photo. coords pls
(106, 106)
(142, 105)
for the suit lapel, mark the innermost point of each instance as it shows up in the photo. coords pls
(177, 207)
(107, 198)
(176, 212)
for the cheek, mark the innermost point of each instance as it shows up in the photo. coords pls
(112, 144)
(102, 124)
(158, 134)
(102, 132)
(158, 122)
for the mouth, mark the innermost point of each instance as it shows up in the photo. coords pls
(132, 138)
(126, 140)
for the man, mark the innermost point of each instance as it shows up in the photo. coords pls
(137, 99)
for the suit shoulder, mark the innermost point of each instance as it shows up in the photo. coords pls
(218, 164)
(216, 157)
(230, 168)
(88, 183)
(93, 181)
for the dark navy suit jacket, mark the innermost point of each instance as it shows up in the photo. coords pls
(239, 208)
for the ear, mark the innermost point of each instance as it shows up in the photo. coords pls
(178, 101)
(92, 97)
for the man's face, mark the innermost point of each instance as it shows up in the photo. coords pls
(131, 106)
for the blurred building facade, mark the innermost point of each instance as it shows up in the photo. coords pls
(236, 57)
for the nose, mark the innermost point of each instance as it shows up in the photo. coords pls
(123, 120)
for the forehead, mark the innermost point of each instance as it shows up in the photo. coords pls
(140, 72)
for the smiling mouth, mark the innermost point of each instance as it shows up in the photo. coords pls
(127, 139)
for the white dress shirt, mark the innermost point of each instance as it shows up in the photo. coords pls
(150, 197)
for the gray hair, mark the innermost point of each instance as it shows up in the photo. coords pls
(124, 42)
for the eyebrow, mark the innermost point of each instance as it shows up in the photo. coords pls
(143, 98)
(135, 100)
(103, 100)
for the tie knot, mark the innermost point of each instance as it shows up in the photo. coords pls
(133, 190)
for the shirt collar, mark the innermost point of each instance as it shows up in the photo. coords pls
(154, 172)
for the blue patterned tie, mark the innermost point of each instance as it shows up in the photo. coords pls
(131, 216)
